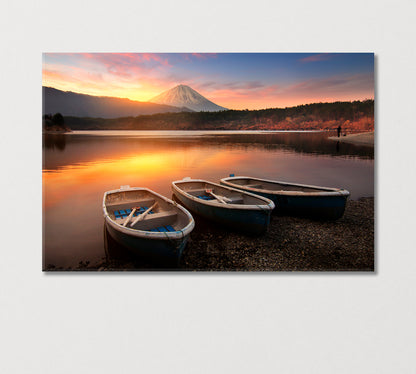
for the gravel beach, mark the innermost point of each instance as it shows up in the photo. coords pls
(290, 244)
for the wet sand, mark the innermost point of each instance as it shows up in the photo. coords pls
(366, 138)
(290, 244)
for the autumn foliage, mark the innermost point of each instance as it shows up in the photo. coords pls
(356, 116)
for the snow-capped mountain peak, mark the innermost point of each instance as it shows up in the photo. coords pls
(185, 96)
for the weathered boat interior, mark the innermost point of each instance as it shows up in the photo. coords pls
(199, 189)
(164, 217)
(273, 186)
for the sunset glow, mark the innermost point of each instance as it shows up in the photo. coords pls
(232, 80)
(153, 167)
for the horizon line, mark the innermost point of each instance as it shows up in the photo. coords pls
(293, 106)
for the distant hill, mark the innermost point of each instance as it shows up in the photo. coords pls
(185, 96)
(351, 116)
(80, 105)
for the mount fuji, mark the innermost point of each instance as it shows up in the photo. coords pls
(184, 96)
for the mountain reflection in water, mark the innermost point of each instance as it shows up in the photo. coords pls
(301, 142)
(78, 169)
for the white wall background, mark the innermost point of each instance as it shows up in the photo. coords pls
(206, 323)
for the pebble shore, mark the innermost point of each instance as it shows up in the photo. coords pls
(290, 244)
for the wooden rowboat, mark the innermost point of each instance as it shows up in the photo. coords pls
(224, 205)
(295, 199)
(147, 223)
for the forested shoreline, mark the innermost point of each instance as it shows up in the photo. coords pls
(351, 116)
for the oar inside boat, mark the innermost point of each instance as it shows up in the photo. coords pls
(162, 234)
(221, 199)
(234, 208)
(131, 215)
(141, 216)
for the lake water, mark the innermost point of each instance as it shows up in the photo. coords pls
(79, 167)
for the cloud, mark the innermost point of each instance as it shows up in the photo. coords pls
(318, 57)
(141, 76)
(236, 86)
(339, 84)
(204, 56)
(128, 64)
(335, 88)
(71, 74)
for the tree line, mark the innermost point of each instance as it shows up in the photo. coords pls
(54, 122)
(355, 115)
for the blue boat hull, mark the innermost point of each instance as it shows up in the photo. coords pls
(293, 198)
(165, 252)
(320, 207)
(249, 221)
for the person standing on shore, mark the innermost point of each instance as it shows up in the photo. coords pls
(339, 130)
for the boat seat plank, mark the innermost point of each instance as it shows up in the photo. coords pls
(155, 220)
(195, 192)
(120, 214)
(150, 216)
(129, 204)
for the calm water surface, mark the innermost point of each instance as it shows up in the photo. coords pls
(79, 167)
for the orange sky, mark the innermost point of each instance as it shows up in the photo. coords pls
(235, 81)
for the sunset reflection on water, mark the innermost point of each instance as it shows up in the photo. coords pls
(79, 169)
(156, 170)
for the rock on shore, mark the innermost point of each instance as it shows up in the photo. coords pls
(290, 244)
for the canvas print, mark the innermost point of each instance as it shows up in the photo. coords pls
(208, 161)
